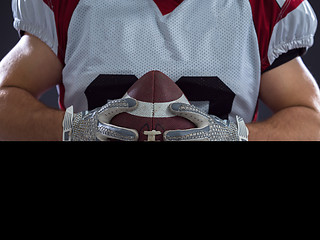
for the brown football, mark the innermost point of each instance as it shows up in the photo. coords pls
(154, 92)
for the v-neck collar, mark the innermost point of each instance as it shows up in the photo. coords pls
(167, 6)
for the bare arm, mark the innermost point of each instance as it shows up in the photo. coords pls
(293, 95)
(26, 72)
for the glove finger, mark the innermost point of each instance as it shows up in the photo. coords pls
(190, 112)
(113, 108)
(109, 131)
(195, 134)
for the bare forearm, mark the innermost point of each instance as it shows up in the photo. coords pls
(294, 123)
(22, 117)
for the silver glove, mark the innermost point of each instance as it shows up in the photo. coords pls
(95, 125)
(209, 128)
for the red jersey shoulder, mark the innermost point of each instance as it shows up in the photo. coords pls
(63, 11)
(273, 11)
(266, 14)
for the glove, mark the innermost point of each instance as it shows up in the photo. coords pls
(95, 125)
(209, 128)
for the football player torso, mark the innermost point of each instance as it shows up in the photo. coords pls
(211, 49)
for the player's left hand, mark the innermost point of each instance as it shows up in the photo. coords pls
(209, 128)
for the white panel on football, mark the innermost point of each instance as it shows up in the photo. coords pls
(156, 110)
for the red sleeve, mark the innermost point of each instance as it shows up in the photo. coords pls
(282, 25)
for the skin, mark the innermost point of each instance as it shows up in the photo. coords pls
(27, 71)
(31, 68)
(292, 93)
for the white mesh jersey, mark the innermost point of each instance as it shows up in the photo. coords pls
(215, 50)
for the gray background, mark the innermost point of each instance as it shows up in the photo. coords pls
(9, 38)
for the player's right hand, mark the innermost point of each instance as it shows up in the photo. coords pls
(95, 125)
